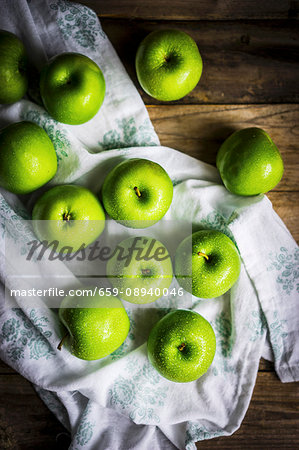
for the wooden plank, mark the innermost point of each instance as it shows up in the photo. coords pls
(199, 130)
(191, 10)
(266, 366)
(272, 420)
(25, 421)
(286, 204)
(5, 369)
(244, 62)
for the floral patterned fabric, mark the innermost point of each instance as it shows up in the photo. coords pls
(121, 401)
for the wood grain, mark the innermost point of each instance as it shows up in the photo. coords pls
(25, 421)
(244, 62)
(286, 204)
(199, 10)
(199, 130)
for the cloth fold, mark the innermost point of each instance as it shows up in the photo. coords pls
(121, 402)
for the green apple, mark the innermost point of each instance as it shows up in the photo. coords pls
(137, 192)
(27, 158)
(168, 64)
(141, 270)
(72, 88)
(249, 162)
(70, 214)
(96, 325)
(212, 268)
(13, 68)
(182, 346)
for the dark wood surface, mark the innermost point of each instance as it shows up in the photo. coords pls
(195, 10)
(250, 52)
(243, 61)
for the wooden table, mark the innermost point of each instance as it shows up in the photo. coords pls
(250, 78)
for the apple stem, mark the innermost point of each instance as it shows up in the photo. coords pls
(204, 255)
(59, 346)
(146, 271)
(137, 191)
(181, 347)
(66, 216)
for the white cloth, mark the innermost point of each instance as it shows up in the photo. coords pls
(121, 402)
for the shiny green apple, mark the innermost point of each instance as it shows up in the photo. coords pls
(168, 64)
(13, 68)
(249, 162)
(69, 214)
(72, 88)
(211, 268)
(137, 192)
(96, 326)
(182, 346)
(27, 158)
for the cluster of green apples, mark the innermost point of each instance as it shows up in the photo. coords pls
(72, 86)
(72, 89)
(136, 192)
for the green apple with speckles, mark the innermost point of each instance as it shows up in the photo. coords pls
(138, 192)
(181, 346)
(13, 68)
(72, 88)
(249, 162)
(168, 64)
(212, 268)
(27, 158)
(96, 325)
(69, 214)
(141, 270)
